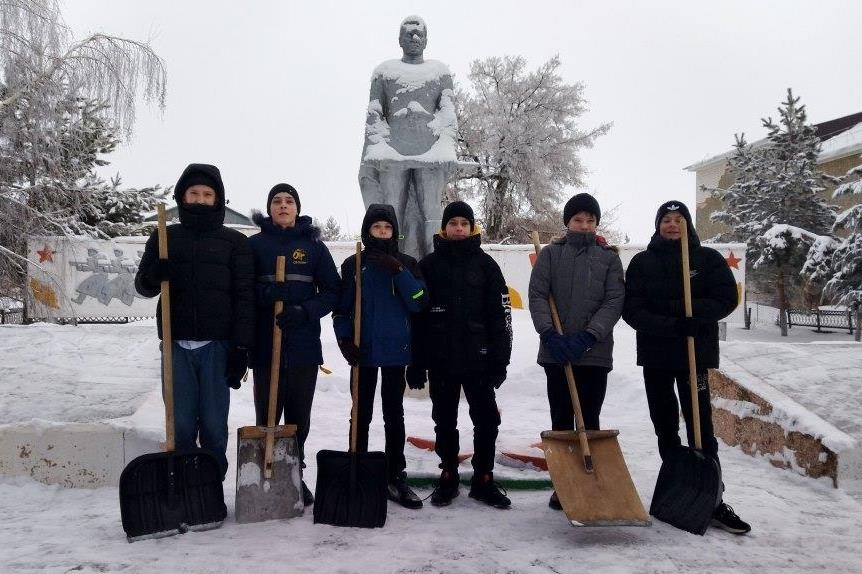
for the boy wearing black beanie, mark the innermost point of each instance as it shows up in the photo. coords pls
(654, 308)
(463, 341)
(585, 277)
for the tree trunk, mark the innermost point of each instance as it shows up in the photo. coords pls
(858, 333)
(782, 304)
(496, 204)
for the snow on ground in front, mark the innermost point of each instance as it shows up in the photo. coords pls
(95, 372)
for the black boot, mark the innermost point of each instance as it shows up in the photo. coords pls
(484, 489)
(554, 502)
(446, 489)
(725, 518)
(400, 492)
(307, 497)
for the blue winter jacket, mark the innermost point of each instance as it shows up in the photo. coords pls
(312, 282)
(387, 302)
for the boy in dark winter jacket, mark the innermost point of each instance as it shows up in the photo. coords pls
(654, 308)
(392, 289)
(585, 277)
(463, 340)
(309, 292)
(209, 268)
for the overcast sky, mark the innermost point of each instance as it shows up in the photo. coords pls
(277, 91)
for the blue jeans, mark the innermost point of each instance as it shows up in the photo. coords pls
(201, 399)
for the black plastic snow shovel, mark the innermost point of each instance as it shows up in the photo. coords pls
(688, 488)
(167, 493)
(351, 486)
(587, 467)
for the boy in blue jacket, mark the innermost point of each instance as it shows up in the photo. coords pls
(392, 289)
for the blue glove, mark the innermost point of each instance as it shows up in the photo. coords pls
(292, 316)
(579, 343)
(557, 346)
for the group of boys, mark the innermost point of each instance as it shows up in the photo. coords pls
(444, 321)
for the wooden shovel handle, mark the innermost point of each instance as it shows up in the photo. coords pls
(274, 374)
(570, 377)
(692, 366)
(357, 340)
(167, 340)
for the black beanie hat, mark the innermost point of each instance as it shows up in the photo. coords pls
(283, 188)
(673, 206)
(458, 209)
(579, 203)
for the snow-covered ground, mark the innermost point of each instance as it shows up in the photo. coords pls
(109, 372)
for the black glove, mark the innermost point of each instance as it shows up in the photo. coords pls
(688, 326)
(277, 291)
(580, 343)
(292, 316)
(557, 346)
(496, 377)
(416, 377)
(384, 261)
(349, 351)
(159, 271)
(237, 363)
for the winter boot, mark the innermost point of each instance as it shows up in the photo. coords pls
(307, 497)
(484, 489)
(401, 493)
(554, 502)
(725, 518)
(446, 489)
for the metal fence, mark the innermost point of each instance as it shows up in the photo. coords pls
(11, 316)
(821, 318)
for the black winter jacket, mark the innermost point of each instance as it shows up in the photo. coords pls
(467, 325)
(654, 302)
(212, 294)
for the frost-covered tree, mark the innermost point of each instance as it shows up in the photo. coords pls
(61, 103)
(113, 211)
(840, 269)
(329, 231)
(775, 188)
(100, 67)
(520, 127)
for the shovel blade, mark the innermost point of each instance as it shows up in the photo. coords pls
(259, 498)
(351, 489)
(167, 493)
(687, 491)
(604, 497)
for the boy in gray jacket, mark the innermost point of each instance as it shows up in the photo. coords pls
(585, 277)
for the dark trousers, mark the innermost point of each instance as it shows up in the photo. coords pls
(295, 396)
(664, 409)
(201, 398)
(445, 390)
(392, 398)
(591, 383)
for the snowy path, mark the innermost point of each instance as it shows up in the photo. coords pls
(800, 525)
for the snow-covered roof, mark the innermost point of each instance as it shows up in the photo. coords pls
(839, 138)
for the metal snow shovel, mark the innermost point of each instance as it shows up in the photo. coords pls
(268, 479)
(688, 488)
(587, 467)
(351, 486)
(170, 492)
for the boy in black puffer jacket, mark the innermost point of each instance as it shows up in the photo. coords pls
(463, 340)
(392, 289)
(209, 268)
(309, 292)
(654, 308)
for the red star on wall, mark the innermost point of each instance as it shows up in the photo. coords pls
(45, 254)
(732, 260)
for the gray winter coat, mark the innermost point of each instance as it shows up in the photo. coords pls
(586, 280)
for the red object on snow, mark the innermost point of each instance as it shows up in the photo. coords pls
(428, 444)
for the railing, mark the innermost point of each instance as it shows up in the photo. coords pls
(821, 318)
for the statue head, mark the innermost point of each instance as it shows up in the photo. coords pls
(413, 37)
